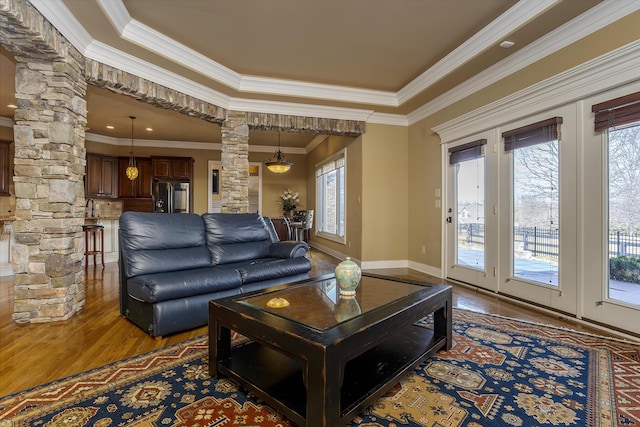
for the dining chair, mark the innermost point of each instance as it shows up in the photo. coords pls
(303, 228)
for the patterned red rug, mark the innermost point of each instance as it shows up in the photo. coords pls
(500, 372)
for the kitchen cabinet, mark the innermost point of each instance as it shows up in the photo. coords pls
(139, 187)
(101, 179)
(180, 168)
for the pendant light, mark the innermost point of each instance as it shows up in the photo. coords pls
(279, 165)
(132, 170)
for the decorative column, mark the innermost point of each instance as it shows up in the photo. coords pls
(234, 177)
(49, 170)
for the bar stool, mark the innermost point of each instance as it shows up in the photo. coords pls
(93, 233)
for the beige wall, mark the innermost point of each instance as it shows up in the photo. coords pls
(274, 183)
(385, 193)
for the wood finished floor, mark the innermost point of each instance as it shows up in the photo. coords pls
(34, 354)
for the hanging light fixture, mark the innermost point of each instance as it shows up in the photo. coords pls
(132, 170)
(279, 164)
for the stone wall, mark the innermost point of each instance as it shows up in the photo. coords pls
(123, 83)
(49, 166)
(234, 177)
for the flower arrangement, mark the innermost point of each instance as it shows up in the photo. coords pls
(289, 199)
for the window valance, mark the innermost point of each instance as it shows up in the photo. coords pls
(468, 151)
(617, 112)
(535, 133)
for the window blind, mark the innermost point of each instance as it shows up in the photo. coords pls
(617, 112)
(468, 151)
(535, 133)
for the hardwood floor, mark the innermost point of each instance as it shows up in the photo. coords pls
(34, 354)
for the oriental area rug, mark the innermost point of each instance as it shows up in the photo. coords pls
(500, 372)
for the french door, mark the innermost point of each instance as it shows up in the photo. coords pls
(509, 210)
(611, 271)
(471, 226)
(538, 209)
(547, 210)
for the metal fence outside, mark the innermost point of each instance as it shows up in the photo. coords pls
(541, 241)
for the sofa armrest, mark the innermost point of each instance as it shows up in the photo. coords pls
(288, 249)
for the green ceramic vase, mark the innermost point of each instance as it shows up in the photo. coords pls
(348, 276)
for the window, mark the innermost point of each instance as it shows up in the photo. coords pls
(330, 194)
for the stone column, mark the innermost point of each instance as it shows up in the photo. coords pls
(49, 170)
(234, 177)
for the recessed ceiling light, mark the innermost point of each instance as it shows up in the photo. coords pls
(12, 106)
(507, 44)
(110, 127)
(149, 129)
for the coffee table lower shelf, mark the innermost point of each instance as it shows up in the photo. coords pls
(277, 378)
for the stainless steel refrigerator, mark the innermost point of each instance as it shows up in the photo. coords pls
(170, 196)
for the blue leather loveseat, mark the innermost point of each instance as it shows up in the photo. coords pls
(172, 265)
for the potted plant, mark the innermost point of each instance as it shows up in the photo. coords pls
(290, 201)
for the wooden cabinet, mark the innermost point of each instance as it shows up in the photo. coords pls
(101, 179)
(5, 165)
(281, 228)
(139, 187)
(172, 168)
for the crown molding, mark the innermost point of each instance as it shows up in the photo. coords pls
(317, 91)
(388, 119)
(61, 17)
(489, 36)
(154, 41)
(152, 143)
(613, 69)
(131, 64)
(294, 109)
(596, 18)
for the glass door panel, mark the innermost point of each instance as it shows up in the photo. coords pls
(623, 257)
(471, 222)
(470, 204)
(535, 237)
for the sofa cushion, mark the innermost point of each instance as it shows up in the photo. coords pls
(144, 230)
(270, 268)
(236, 237)
(154, 242)
(158, 287)
(166, 260)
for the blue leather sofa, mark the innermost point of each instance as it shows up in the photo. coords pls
(172, 265)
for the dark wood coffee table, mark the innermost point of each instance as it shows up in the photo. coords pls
(323, 359)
